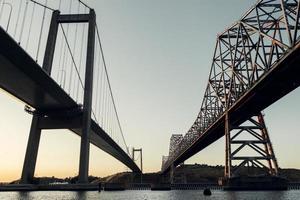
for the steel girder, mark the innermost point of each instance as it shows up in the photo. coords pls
(244, 52)
(248, 146)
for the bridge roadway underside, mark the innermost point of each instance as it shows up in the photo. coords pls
(276, 83)
(23, 78)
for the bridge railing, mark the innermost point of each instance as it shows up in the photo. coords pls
(243, 53)
(28, 23)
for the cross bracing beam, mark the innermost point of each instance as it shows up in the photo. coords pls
(79, 18)
(249, 62)
(249, 146)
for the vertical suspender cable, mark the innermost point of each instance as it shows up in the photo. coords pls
(104, 104)
(65, 59)
(110, 120)
(62, 59)
(97, 83)
(108, 116)
(41, 32)
(102, 96)
(63, 70)
(23, 22)
(30, 25)
(1, 9)
(99, 91)
(74, 85)
(80, 58)
(114, 105)
(72, 57)
(18, 18)
(59, 70)
(60, 67)
(74, 51)
(59, 5)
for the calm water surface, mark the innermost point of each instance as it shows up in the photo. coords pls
(152, 195)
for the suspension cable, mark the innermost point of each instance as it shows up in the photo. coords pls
(77, 71)
(74, 51)
(40, 4)
(101, 110)
(73, 60)
(18, 18)
(41, 32)
(23, 22)
(45, 6)
(84, 4)
(110, 90)
(81, 52)
(97, 81)
(65, 59)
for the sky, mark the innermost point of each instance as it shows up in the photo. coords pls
(158, 55)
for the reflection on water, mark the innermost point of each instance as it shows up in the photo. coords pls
(262, 195)
(152, 195)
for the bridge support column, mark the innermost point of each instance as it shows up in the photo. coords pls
(87, 102)
(35, 131)
(31, 151)
(227, 172)
(250, 138)
(172, 169)
(250, 160)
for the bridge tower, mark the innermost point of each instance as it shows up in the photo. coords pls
(140, 151)
(249, 155)
(66, 119)
(174, 143)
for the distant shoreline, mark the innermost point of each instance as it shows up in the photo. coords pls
(190, 173)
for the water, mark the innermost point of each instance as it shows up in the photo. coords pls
(152, 195)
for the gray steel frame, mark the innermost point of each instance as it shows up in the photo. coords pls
(257, 139)
(243, 54)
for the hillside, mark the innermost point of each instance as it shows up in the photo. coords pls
(191, 174)
(183, 174)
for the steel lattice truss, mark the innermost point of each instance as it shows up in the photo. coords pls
(164, 160)
(257, 143)
(243, 54)
(174, 141)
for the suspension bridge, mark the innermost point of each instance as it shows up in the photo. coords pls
(51, 58)
(255, 63)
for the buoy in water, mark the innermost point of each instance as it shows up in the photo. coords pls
(207, 192)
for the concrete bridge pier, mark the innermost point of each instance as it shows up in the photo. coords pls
(35, 130)
(31, 151)
(87, 102)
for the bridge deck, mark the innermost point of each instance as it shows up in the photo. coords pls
(23, 78)
(276, 83)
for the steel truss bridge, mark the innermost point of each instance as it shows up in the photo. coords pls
(51, 58)
(255, 63)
